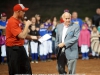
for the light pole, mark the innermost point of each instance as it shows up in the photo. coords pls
(19, 1)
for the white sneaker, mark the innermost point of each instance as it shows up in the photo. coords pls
(32, 61)
(36, 61)
(83, 58)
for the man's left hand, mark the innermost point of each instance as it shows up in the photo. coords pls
(61, 45)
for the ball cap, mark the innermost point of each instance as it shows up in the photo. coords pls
(3, 15)
(66, 10)
(20, 7)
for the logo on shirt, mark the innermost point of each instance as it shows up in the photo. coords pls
(76, 22)
(21, 25)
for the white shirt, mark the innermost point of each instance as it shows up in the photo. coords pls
(64, 33)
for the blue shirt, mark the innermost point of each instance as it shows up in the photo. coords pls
(42, 31)
(80, 22)
(50, 33)
(47, 25)
(2, 23)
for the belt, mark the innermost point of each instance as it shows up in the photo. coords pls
(14, 47)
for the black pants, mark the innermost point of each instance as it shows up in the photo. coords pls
(61, 62)
(18, 62)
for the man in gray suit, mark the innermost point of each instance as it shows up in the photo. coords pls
(66, 39)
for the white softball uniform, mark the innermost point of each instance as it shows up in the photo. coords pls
(34, 47)
(49, 46)
(43, 48)
(3, 50)
(26, 48)
(84, 49)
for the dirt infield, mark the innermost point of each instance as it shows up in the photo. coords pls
(84, 67)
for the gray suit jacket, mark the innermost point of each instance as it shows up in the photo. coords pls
(71, 40)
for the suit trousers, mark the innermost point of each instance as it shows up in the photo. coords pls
(61, 62)
(17, 59)
(71, 65)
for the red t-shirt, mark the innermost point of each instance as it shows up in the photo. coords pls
(13, 29)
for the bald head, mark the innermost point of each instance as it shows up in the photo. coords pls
(66, 16)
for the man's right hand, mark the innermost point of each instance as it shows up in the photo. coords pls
(61, 45)
(24, 32)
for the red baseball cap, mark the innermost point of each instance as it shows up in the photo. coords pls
(3, 15)
(19, 7)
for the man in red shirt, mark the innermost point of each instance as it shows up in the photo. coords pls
(17, 59)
